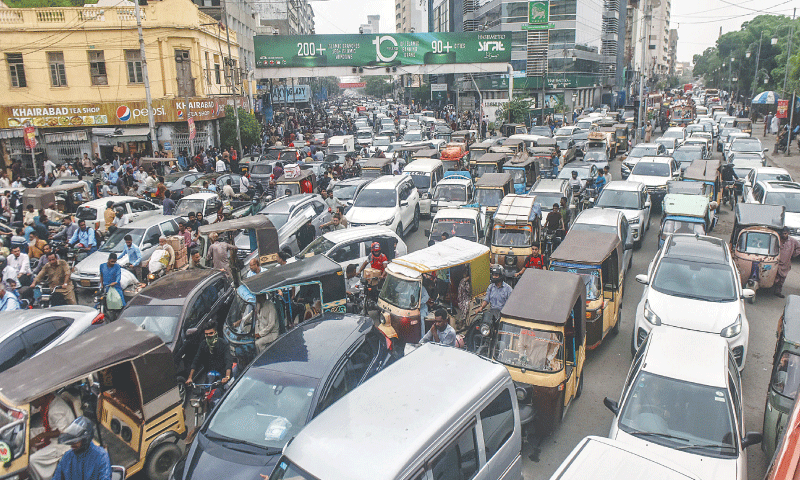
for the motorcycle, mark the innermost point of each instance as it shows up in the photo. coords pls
(370, 289)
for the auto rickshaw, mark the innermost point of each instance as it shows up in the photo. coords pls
(294, 292)
(756, 242)
(744, 124)
(509, 129)
(67, 197)
(439, 269)
(610, 133)
(477, 150)
(126, 380)
(540, 337)
(489, 192)
(688, 188)
(622, 132)
(516, 145)
(408, 153)
(376, 167)
(515, 231)
(785, 381)
(706, 171)
(452, 156)
(294, 182)
(683, 213)
(598, 258)
(263, 236)
(525, 170)
(491, 162)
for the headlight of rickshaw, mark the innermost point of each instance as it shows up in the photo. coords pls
(486, 329)
(649, 315)
(733, 329)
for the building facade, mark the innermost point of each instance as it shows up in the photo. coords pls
(373, 25)
(673, 50)
(86, 93)
(284, 17)
(411, 16)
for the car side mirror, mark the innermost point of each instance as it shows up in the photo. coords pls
(611, 405)
(752, 438)
(118, 472)
(748, 293)
(642, 278)
(191, 331)
(427, 232)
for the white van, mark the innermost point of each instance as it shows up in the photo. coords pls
(439, 409)
(341, 143)
(426, 173)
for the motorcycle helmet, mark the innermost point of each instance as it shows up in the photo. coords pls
(496, 273)
(80, 430)
(376, 248)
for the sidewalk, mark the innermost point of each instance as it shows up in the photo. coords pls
(790, 163)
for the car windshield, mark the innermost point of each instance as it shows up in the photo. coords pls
(769, 176)
(640, 151)
(564, 131)
(695, 279)
(451, 193)
(625, 199)
(381, 142)
(376, 198)
(86, 213)
(285, 470)
(670, 134)
(184, 206)
(580, 136)
(791, 200)
(594, 156)
(590, 277)
(547, 199)
(758, 243)
(511, 237)
(412, 137)
(687, 155)
(651, 169)
(319, 246)
(655, 409)
(667, 142)
(344, 192)
(488, 197)
(682, 226)
(531, 349)
(786, 378)
(116, 241)
(422, 180)
(400, 292)
(482, 168)
(261, 169)
(159, 319)
(265, 408)
(459, 227)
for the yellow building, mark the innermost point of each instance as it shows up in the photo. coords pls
(76, 75)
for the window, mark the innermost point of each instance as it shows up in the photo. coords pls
(97, 67)
(58, 73)
(134, 61)
(151, 236)
(217, 70)
(497, 420)
(358, 363)
(39, 336)
(16, 69)
(12, 351)
(459, 460)
(137, 207)
(169, 228)
(346, 253)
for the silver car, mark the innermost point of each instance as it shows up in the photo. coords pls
(145, 234)
(632, 199)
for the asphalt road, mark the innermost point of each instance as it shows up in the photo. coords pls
(607, 365)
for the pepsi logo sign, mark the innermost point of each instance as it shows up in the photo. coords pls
(123, 113)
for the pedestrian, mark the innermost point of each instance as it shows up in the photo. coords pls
(218, 253)
(767, 120)
(168, 203)
(306, 235)
(790, 248)
(648, 132)
(775, 125)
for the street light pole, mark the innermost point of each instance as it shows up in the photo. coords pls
(785, 76)
(755, 75)
(233, 84)
(146, 80)
(643, 68)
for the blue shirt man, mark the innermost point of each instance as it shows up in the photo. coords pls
(132, 252)
(113, 176)
(8, 301)
(168, 204)
(84, 237)
(111, 274)
(89, 464)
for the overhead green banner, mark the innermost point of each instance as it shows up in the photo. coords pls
(382, 50)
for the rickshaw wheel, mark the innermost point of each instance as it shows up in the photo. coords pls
(160, 462)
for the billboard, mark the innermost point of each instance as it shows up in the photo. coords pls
(291, 94)
(538, 15)
(783, 108)
(382, 50)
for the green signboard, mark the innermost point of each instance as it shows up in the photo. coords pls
(543, 26)
(382, 50)
(538, 12)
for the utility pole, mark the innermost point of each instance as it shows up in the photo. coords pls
(643, 69)
(146, 79)
(785, 76)
(480, 106)
(233, 83)
(755, 74)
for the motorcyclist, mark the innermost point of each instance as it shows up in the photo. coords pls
(376, 260)
(214, 355)
(84, 239)
(85, 460)
(575, 183)
(496, 295)
(729, 177)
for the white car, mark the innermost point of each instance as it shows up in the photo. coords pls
(206, 203)
(683, 401)
(352, 245)
(780, 193)
(136, 209)
(391, 201)
(607, 221)
(455, 189)
(466, 223)
(426, 173)
(632, 199)
(693, 284)
(678, 133)
(654, 173)
(637, 153)
(763, 174)
(670, 144)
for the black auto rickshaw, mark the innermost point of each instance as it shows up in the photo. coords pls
(509, 129)
(263, 236)
(488, 163)
(119, 375)
(304, 181)
(376, 167)
(623, 132)
(544, 152)
(67, 197)
(294, 293)
(541, 339)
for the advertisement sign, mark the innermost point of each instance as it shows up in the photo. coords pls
(538, 15)
(345, 86)
(289, 94)
(29, 133)
(192, 129)
(110, 113)
(438, 87)
(783, 109)
(384, 50)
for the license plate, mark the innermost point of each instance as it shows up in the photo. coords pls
(86, 283)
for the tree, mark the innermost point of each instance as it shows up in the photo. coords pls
(248, 126)
(378, 86)
(520, 108)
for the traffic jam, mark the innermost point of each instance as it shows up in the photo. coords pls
(381, 291)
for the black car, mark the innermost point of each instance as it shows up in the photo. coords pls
(176, 182)
(177, 307)
(292, 381)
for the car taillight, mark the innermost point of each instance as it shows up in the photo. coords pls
(98, 319)
(388, 340)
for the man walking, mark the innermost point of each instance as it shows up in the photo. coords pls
(789, 248)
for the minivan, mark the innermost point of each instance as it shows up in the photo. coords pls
(449, 411)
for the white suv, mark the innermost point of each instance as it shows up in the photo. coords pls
(693, 284)
(391, 201)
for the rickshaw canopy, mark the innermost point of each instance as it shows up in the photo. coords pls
(42, 197)
(376, 162)
(317, 268)
(561, 289)
(791, 320)
(297, 177)
(490, 180)
(265, 232)
(77, 359)
(517, 210)
(686, 205)
(424, 153)
(756, 214)
(484, 145)
(690, 188)
(445, 254)
(542, 151)
(585, 247)
(546, 142)
(702, 170)
(493, 157)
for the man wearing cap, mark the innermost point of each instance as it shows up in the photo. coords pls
(790, 248)
(163, 245)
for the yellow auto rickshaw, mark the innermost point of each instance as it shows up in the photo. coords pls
(490, 189)
(622, 130)
(376, 167)
(129, 375)
(744, 124)
(707, 172)
(435, 272)
(598, 258)
(515, 231)
(491, 162)
(755, 244)
(540, 336)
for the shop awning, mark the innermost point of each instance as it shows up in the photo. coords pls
(123, 133)
(11, 133)
(76, 136)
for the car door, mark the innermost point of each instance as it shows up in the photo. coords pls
(413, 199)
(404, 191)
(747, 188)
(212, 206)
(197, 316)
(41, 334)
(321, 214)
(150, 241)
(347, 253)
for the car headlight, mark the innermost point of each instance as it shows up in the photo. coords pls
(633, 221)
(649, 315)
(733, 329)
(387, 222)
(486, 329)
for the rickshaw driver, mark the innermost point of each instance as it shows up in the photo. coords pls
(376, 260)
(554, 224)
(496, 295)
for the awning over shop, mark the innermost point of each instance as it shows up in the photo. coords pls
(76, 136)
(127, 134)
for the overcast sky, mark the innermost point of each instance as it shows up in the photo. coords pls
(698, 21)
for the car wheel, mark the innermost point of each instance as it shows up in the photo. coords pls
(399, 230)
(160, 462)
(415, 225)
